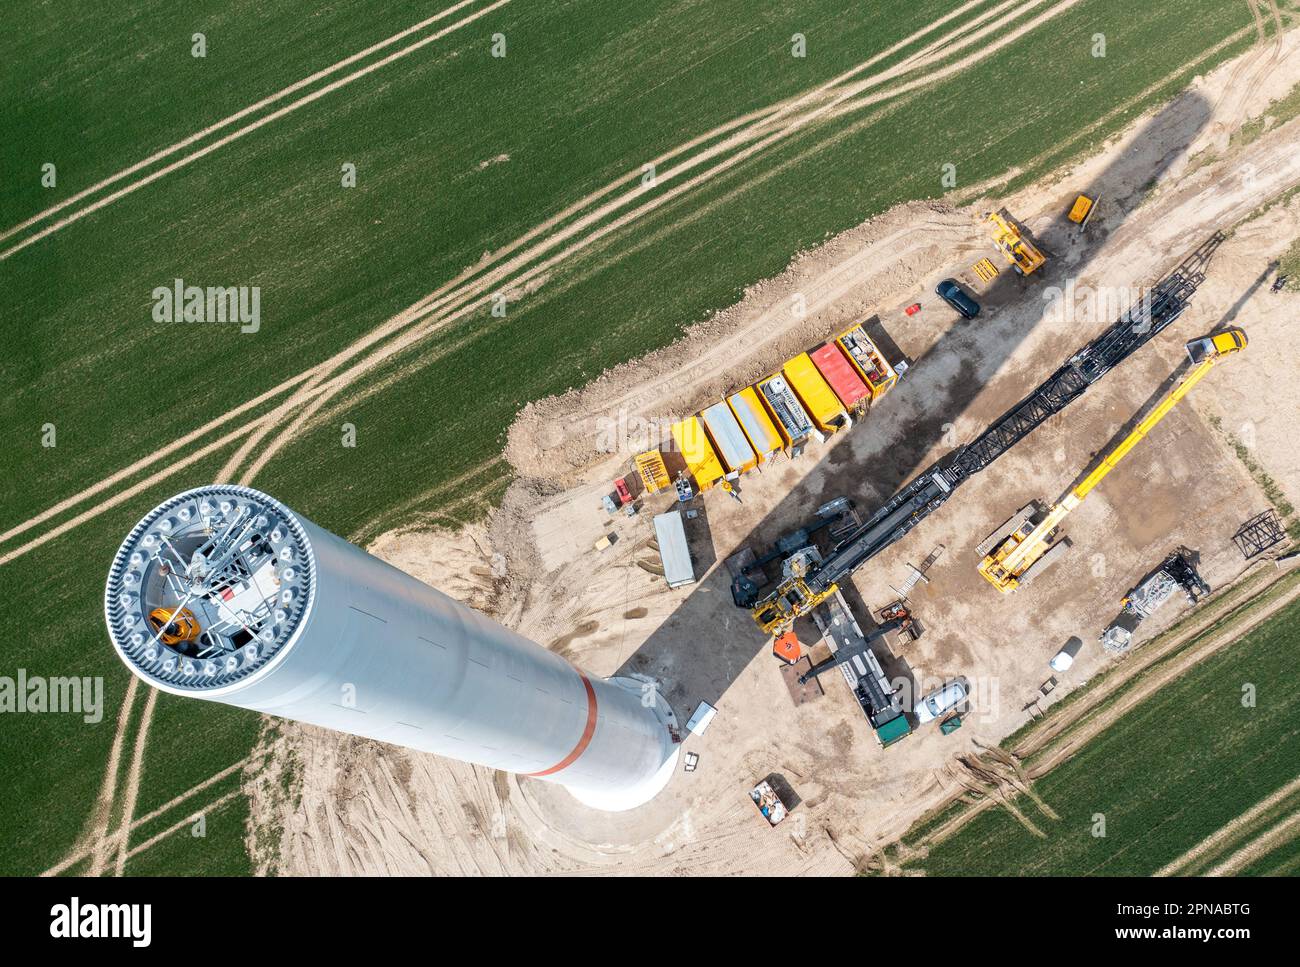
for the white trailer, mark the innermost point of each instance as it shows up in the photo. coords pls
(673, 550)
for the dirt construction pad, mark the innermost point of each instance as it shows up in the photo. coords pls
(1172, 180)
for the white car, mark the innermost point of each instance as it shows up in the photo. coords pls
(1061, 661)
(938, 702)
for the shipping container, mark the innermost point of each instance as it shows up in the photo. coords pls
(729, 440)
(693, 444)
(818, 399)
(752, 416)
(834, 364)
(670, 534)
(869, 361)
(787, 413)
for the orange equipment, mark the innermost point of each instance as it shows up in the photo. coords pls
(786, 648)
(173, 627)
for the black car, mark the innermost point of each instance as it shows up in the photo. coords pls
(950, 292)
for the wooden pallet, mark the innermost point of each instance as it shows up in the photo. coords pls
(985, 270)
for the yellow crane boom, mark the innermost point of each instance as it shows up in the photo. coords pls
(1007, 566)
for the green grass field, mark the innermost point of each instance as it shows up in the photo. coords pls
(588, 91)
(1165, 776)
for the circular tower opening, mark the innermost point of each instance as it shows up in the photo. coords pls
(209, 589)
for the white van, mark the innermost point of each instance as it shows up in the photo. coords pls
(938, 702)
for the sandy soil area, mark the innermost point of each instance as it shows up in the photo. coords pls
(1168, 183)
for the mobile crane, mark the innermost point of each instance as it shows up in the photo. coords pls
(809, 577)
(1024, 550)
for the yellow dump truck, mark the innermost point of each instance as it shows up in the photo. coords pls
(752, 415)
(818, 399)
(701, 461)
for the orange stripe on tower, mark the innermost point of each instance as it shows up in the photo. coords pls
(587, 733)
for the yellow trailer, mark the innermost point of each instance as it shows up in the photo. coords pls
(787, 413)
(752, 416)
(694, 446)
(869, 361)
(815, 393)
(729, 440)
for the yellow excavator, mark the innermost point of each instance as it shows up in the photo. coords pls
(1019, 550)
(1023, 255)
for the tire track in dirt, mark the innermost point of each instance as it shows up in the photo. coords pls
(101, 815)
(225, 122)
(107, 841)
(133, 777)
(174, 828)
(1237, 93)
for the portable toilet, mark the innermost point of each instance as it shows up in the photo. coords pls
(818, 399)
(868, 360)
(787, 413)
(729, 440)
(752, 416)
(837, 369)
(701, 460)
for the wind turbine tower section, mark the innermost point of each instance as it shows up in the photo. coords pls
(223, 593)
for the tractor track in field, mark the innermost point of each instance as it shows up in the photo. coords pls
(477, 285)
(1222, 838)
(207, 149)
(1267, 841)
(313, 388)
(1068, 729)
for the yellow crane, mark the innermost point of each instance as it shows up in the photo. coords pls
(1022, 548)
(1023, 255)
